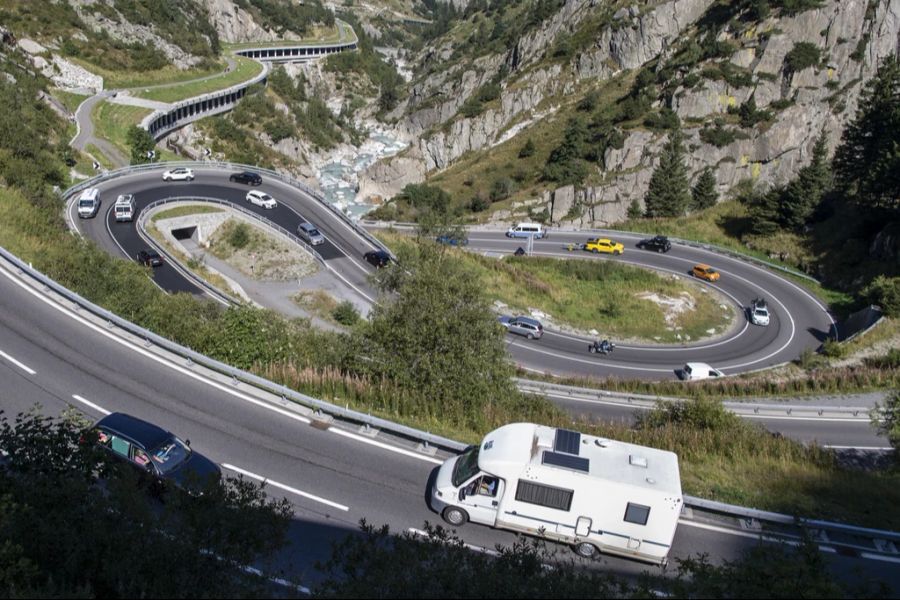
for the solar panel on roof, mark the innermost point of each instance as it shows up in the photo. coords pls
(567, 461)
(567, 441)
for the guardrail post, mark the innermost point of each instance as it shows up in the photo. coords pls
(189, 362)
(234, 380)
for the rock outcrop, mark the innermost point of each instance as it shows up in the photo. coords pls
(234, 24)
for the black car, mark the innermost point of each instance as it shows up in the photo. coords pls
(377, 258)
(149, 258)
(155, 453)
(659, 243)
(247, 177)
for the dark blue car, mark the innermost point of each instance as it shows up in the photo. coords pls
(156, 453)
(452, 240)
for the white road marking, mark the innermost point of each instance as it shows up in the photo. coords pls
(286, 488)
(22, 366)
(371, 442)
(96, 407)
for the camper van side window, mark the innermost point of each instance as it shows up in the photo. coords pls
(543, 495)
(637, 513)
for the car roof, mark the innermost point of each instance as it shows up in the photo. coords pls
(381, 253)
(528, 320)
(702, 266)
(146, 434)
(697, 365)
(308, 226)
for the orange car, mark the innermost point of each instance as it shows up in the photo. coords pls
(705, 272)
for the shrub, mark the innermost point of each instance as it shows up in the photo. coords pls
(478, 203)
(885, 292)
(833, 349)
(664, 119)
(718, 136)
(802, 56)
(345, 313)
(502, 189)
(528, 149)
(239, 236)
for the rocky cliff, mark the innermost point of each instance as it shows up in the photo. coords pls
(851, 37)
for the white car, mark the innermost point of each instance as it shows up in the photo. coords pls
(759, 312)
(696, 370)
(179, 174)
(261, 199)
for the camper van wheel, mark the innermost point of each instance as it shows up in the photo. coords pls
(586, 550)
(455, 516)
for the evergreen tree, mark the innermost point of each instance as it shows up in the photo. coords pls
(802, 195)
(565, 164)
(669, 192)
(763, 211)
(634, 210)
(704, 194)
(867, 162)
(528, 149)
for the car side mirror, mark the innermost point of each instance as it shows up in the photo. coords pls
(462, 494)
(187, 443)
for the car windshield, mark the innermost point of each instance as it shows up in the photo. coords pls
(170, 455)
(313, 232)
(85, 203)
(762, 312)
(466, 466)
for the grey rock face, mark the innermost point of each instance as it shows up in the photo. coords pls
(234, 24)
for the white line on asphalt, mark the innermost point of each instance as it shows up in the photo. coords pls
(867, 448)
(371, 442)
(748, 534)
(96, 407)
(284, 487)
(159, 359)
(482, 549)
(109, 231)
(22, 366)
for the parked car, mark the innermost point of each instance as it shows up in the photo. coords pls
(659, 243)
(247, 177)
(149, 258)
(155, 453)
(377, 258)
(705, 272)
(607, 246)
(179, 174)
(262, 199)
(309, 234)
(758, 312)
(452, 240)
(697, 370)
(530, 328)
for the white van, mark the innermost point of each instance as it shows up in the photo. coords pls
(526, 230)
(89, 203)
(124, 208)
(595, 494)
(697, 370)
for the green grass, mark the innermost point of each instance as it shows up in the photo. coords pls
(69, 99)
(320, 35)
(245, 69)
(597, 294)
(136, 79)
(101, 158)
(180, 211)
(112, 121)
(317, 302)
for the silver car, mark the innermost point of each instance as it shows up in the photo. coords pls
(309, 234)
(530, 328)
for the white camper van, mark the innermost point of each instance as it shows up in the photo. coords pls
(88, 203)
(526, 230)
(593, 493)
(124, 208)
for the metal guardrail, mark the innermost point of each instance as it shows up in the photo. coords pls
(876, 536)
(649, 401)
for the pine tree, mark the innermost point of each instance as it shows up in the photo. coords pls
(528, 149)
(763, 211)
(800, 198)
(669, 192)
(867, 162)
(704, 194)
(634, 210)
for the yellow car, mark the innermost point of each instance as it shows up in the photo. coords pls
(604, 245)
(705, 272)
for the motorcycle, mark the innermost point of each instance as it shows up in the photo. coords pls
(604, 347)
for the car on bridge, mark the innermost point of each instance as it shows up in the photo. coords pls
(179, 174)
(160, 458)
(706, 272)
(530, 328)
(604, 245)
(261, 199)
(246, 177)
(659, 243)
(149, 258)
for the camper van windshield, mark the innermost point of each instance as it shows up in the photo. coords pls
(466, 466)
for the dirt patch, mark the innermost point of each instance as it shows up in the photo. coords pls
(264, 256)
(672, 308)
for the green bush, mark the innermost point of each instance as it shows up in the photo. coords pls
(833, 349)
(803, 55)
(884, 292)
(239, 236)
(345, 313)
(718, 136)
